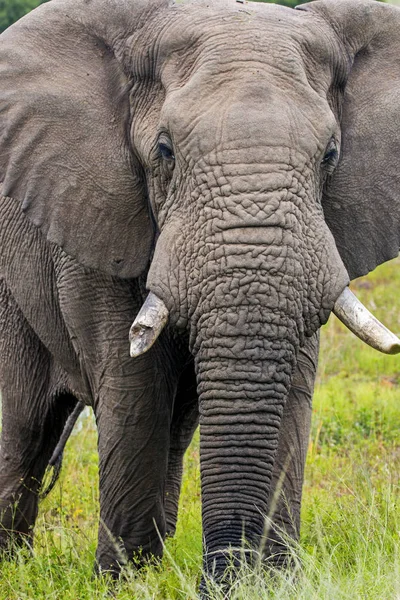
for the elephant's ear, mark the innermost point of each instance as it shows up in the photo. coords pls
(65, 124)
(362, 199)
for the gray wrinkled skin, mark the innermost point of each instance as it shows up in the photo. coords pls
(189, 149)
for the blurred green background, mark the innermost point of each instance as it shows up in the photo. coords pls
(12, 10)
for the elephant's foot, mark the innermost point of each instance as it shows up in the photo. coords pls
(12, 541)
(279, 548)
(112, 557)
(17, 518)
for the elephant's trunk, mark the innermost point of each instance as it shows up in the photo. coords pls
(244, 366)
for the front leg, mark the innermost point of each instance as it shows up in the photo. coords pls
(132, 400)
(35, 407)
(133, 416)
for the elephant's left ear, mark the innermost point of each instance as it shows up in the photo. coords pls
(65, 122)
(362, 200)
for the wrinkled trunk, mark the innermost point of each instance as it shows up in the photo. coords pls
(243, 382)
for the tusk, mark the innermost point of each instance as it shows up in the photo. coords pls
(148, 325)
(364, 325)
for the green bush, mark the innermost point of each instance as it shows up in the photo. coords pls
(12, 10)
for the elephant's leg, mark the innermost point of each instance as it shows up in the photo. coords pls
(133, 415)
(288, 473)
(185, 419)
(32, 421)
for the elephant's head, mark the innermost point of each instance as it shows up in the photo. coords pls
(245, 154)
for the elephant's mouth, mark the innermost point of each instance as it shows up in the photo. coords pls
(153, 317)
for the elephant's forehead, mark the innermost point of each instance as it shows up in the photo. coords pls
(249, 115)
(241, 76)
(239, 41)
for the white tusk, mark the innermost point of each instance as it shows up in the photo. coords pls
(148, 325)
(364, 325)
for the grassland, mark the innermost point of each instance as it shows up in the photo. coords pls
(351, 523)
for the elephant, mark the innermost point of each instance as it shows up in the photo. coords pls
(208, 176)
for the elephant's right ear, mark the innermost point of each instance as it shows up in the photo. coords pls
(362, 199)
(65, 124)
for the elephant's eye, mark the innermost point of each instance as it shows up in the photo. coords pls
(331, 157)
(165, 148)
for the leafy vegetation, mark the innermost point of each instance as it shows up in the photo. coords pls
(351, 521)
(12, 10)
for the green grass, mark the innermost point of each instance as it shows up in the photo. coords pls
(351, 522)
